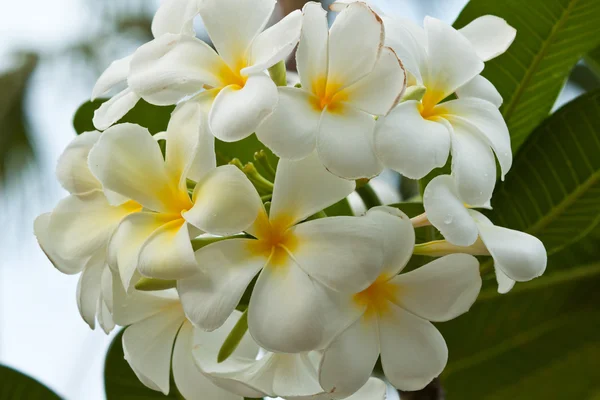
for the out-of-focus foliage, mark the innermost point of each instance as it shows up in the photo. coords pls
(16, 386)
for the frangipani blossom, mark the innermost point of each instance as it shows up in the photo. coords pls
(347, 78)
(175, 66)
(517, 256)
(418, 135)
(173, 17)
(299, 263)
(65, 234)
(128, 161)
(159, 338)
(252, 373)
(391, 317)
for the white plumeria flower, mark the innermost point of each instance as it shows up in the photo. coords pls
(418, 135)
(517, 256)
(159, 338)
(300, 262)
(65, 234)
(128, 161)
(173, 17)
(391, 317)
(250, 373)
(173, 67)
(347, 77)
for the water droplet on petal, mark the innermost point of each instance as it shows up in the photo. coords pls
(448, 219)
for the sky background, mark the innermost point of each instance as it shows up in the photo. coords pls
(41, 332)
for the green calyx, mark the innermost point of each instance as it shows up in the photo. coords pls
(415, 92)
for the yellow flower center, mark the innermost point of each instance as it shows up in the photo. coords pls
(430, 100)
(328, 94)
(274, 239)
(378, 297)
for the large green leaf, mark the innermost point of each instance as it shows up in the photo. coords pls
(120, 382)
(16, 386)
(552, 35)
(553, 189)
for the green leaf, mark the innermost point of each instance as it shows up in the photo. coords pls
(553, 189)
(232, 341)
(552, 36)
(155, 118)
(121, 383)
(592, 59)
(16, 386)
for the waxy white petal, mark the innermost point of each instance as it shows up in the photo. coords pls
(413, 352)
(345, 143)
(274, 44)
(381, 89)
(227, 268)
(399, 35)
(46, 241)
(291, 131)
(479, 87)
(175, 16)
(473, 163)
(505, 284)
(343, 253)
(113, 75)
(312, 57)
(72, 169)
(238, 112)
(452, 60)
(303, 188)
(168, 253)
(441, 290)
(171, 67)
(374, 389)
(233, 24)
(225, 202)
(446, 211)
(112, 110)
(410, 144)
(346, 42)
(88, 288)
(489, 35)
(349, 360)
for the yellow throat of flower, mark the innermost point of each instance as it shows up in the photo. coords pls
(328, 94)
(378, 297)
(274, 238)
(428, 104)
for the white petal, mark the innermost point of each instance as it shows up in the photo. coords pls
(225, 202)
(148, 345)
(480, 88)
(46, 241)
(398, 237)
(446, 211)
(519, 255)
(410, 144)
(473, 163)
(452, 60)
(113, 75)
(104, 317)
(303, 188)
(88, 288)
(441, 290)
(353, 52)
(312, 55)
(233, 24)
(80, 225)
(489, 125)
(190, 146)
(127, 160)
(349, 360)
(210, 297)
(413, 352)
(111, 111)
(489, 35)
(345, 143)
(190, 382)
(237, 112)
(72, 169)
(374, 389)
(274, 44)
(343, 253)
(296, 112)
(381, 89)
(126, 242)
(175, 16)
(505, 284)
(107, 288)
(399, 36)
(286, 298)
(172, 67)
(168, 252)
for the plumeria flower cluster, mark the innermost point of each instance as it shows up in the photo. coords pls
(238, 284)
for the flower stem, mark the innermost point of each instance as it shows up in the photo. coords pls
(368, 196)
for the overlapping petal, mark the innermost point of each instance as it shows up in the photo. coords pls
(72, 169)
(46, 241)
(88, 288)
(115, 74)
(175, 16)
(312, 57)
(479, 87)
(489, 35)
